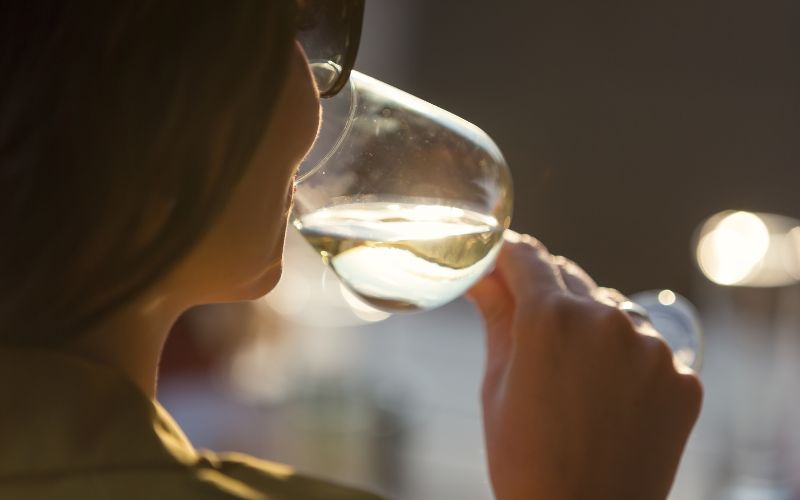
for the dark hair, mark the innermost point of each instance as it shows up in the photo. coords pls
(124, 127)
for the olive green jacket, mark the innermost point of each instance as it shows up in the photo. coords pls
(72, 429)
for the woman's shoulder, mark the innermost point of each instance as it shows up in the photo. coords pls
(72, 429)
(225, 476)
(250, 477)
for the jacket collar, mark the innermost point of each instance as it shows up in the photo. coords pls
(64, 414)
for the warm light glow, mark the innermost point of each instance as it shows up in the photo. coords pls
(361, 309)
(731, 251)
(258, 370)
(666, 297)
(291, 296)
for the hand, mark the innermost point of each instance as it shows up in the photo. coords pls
(578, 402)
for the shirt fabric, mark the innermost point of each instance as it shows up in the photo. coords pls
(73, 429)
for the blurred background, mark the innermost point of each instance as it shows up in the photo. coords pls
(626, 126)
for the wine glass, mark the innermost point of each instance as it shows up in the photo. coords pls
(407, 203)
(677, 322)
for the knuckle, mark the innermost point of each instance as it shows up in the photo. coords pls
(561, 261)
(525, 246)
(614, 321)
(610, 295)
(659, 352)
(569, 266)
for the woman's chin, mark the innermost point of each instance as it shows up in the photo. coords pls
(267, 281)
(260, 286)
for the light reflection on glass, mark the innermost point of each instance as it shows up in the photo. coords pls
(360, 308)
(309, 294)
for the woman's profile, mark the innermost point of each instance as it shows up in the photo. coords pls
(147, 156)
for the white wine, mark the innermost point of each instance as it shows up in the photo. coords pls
(403, 256)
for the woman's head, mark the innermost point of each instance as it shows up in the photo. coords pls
(129, 132)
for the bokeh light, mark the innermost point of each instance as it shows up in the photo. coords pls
(736, 248)
(733, 248)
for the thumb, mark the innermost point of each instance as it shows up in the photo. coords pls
(496, 305)
(492, 297)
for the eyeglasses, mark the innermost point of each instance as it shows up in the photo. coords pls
(329, 31)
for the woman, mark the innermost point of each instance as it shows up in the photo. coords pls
(147, 151)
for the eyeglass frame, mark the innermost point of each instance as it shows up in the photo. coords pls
(355, 19)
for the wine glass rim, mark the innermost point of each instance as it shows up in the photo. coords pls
(345, 130)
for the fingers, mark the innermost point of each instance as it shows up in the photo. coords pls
(496, 305)
(527, 268)
(526, 272)
(492, 297)
(615, 298)
(531, 273)
(576, 279)
(525, 275)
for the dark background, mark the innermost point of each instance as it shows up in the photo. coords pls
(625, 123)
